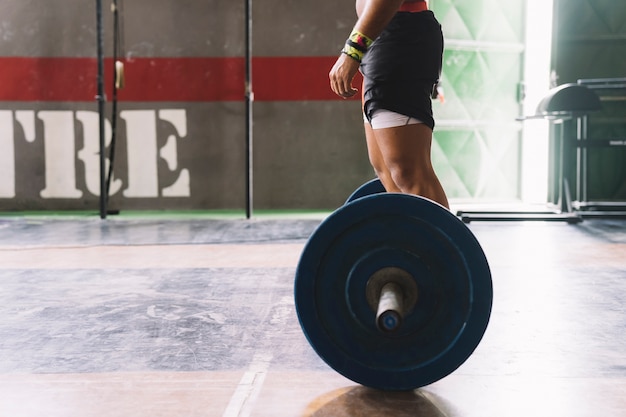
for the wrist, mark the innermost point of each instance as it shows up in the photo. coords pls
(357, 45)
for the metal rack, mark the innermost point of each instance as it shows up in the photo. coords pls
(608, 90)
(562, 107)
(567, 108)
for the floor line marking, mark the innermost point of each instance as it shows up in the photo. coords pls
(249, 386)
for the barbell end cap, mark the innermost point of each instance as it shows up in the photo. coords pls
(389, 314)
(389, 321)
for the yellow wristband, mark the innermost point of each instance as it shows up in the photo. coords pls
(360, 40)
(357, 45)
(352, 52)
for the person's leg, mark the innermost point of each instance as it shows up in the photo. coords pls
(377, 162)
(397, 102)
(406, 160)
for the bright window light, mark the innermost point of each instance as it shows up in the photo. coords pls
(535, 134)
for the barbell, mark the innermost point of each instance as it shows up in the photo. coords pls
(393, 291)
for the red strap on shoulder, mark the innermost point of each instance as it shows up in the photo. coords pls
(413, 6)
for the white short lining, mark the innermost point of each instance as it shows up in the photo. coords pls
(382, 119)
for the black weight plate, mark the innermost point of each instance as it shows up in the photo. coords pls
(371, 187)
(436, 248)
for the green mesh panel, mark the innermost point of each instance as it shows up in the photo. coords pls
(477, 140)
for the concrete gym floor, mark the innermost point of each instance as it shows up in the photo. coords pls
(162, 316)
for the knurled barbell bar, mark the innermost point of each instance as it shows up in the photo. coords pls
(393, 291)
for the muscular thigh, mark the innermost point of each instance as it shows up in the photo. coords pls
(405, 147)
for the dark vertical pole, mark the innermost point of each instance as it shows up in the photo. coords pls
(100, 98)
(249, 101)
(116, 84)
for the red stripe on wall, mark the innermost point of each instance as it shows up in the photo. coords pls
(295, 79)
(168, 79)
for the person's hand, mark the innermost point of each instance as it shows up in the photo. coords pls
(342, 74)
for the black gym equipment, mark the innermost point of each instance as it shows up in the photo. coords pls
(567, 108)
(393, 291)
(611, 91)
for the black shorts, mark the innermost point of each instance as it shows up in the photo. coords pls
(402, 67)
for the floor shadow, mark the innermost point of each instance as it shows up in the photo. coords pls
(365, 402)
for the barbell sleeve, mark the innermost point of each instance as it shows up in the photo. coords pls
(390, 308)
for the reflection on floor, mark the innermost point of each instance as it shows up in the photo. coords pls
(134, 317)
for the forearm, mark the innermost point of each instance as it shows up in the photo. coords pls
(373, 18)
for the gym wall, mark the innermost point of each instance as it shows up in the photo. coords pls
(181, 130)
